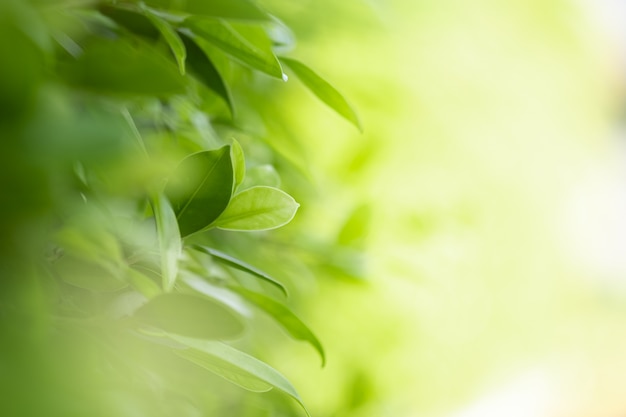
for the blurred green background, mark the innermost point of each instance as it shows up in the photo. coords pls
(492, 165)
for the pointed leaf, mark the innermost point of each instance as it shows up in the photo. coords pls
(171, 37)
(234, 365)
(250, 51)
(142, 283)
(200, 189)
(170, 242)
(200, 64)
(323, 90)
(285, 317)
(240, 265)
(226, 9)
(258, 208)
(239, 162)
(190, 315)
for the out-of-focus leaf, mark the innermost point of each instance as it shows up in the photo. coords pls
(200, 189)
(235, 366)
(225, 9)
(258, 208)
(240, 265)
(171, 37)
(88, 275)
(285, 317)
(190, 315)
(252, 51)
(323, 90)
(239, 162)
(356, 227)
(121, 67)
(261, 175)
(132, 19)
(170, 242)
(142, 283)
(200, 65)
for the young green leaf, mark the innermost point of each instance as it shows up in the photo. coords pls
(258, 208)
(200, 64)
(142, 283)
(190, 315)
(235, 366)
(171, 37)
(323, 90)
(225, 9)
(200, 189)
(225, 37)
(170, 242)
(240, 265)
(285, 317)
(239, 162)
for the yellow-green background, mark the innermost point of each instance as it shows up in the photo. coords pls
(491, 162)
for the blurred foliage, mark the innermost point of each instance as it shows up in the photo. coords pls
(139, 140)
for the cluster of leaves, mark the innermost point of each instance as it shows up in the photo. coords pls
(127, 109)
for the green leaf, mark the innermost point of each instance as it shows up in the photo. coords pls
(88, 275)
(252, 51)
(142, 283)
(170, 243)
(226, 9)
(258, 208)
(239, 162)
(323, 90)
(235, 366)
(285, 317)
(240, 265)
(190, 315)
(145, 70)
(261, 175)
(200, 189)
(356, 228)
(200, 64)
(171, 37)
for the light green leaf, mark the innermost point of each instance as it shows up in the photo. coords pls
(200, 189)
(190, 315)
(235, 366)
(142, 283)
(171, 37)
(255, 53)
(240, 265)
(258, 208)
(170, 242)
(323, 90)
(261, 175)
(88, 275)
(239, 162)
(285, 317)
(226, 9)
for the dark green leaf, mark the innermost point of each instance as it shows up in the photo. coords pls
(190, 315)
(200, 189)
(235, 366)
(171, 37)
(290, 322)
(240, 265)
(254, 51)
(200, 64)
(119, 66)
(170, 242)
(323, 90)
(226, 9)
(258, 208)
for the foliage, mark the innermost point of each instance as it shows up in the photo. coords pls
(124, 276)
